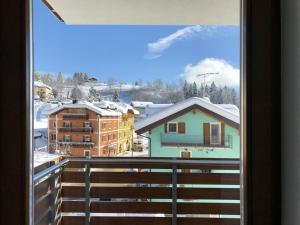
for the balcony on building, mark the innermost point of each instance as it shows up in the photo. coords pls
(70, 116)
(180, 140)
(160, 191)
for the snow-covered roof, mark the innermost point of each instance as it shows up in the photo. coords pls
(155, 108)
(39, 83)
(139, 104)
(87, 105)
(230, 107)
(195, 101)
(119, 106)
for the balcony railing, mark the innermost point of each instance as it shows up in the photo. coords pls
(77, 143)
(184, 140)
(143, 191)
(76, 129)
(71, 116)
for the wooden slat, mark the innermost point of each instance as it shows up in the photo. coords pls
(131, 177)
(41, 207)
(41, 189)
(131, 207)
(72, 220)
(73, 206)
(130, 192)
(72, 177)
(71, 191)
(209, 193)
(146, 192)
(208, 208)
(208, 221)
(208, 178)
(130, 221)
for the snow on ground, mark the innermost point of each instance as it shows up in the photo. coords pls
(41, 157)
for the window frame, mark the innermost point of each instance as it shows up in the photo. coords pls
(220, 135)
(168, 128)
(260, 24)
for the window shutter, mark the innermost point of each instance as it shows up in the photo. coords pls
(206, 133)
(166, 128)
(222, 134)
(181, 128)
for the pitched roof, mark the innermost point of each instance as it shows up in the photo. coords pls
(87, 105)
(183, 107)
(140, 104)
(119, 106)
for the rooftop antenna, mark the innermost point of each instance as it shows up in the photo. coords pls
(204, 75)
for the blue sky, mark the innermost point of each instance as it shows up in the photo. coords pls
(131, 53)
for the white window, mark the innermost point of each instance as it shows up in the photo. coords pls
(87, 138)
(172, 127)
(67, 124)
(67, 138)
(215, 133)
(87, 153)
(86, 124)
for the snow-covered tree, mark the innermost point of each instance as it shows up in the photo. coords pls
(116, 96)
(76, 93)
(94, 95)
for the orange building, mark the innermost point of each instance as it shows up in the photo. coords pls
(83, 129)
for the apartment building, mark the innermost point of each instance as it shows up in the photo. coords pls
(104, 129)
(83, 129)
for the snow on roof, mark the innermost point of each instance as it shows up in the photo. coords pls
(140, 104)
(119, 106)
(229, 107)
(39, 83)
(87, 105)
(155, 108)
(183, 105)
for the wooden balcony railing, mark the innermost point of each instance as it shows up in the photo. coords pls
(139, 191)
(76, 129)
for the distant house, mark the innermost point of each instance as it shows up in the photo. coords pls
(141, 107)
(155, 108)
(42, 91)
(193, 128)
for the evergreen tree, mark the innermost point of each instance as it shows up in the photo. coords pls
(194, 90)
(94, 95)
(116, 96)
(76, 93)
(54, 93)
(213, 93)
(185, 90)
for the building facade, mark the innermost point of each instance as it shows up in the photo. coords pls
(193, 128)
(85, 129)
(43, 91)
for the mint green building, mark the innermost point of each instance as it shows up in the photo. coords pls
(193, 128)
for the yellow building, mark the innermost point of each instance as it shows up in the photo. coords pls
(126, 123)
(43, 91)
(126, 131)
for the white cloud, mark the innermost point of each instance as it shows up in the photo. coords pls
(226, 73)
(155, 49)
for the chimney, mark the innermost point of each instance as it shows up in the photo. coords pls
(74, 101)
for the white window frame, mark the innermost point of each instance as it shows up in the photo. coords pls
(67, 122)
(88, 137)
(220, 135)
(172, 132)
(68, 135)
(87, 151)
(87, 124)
